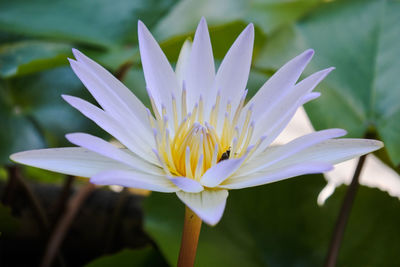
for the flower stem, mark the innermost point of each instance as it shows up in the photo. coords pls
(190, 238)
(344, 215)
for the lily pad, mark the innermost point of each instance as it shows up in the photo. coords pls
(103, 23)
(31, 56)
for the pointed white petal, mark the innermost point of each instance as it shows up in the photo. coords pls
(200, 75)
(278, 107)
(278, 126)
(315, 159)
(232, 75)
(117, 90)
(183, 61)
(273, 155)
(275, 174)
(334, 151)
(220, 172)
(279, 84)
(208, 205)
(113, 127)
(106, 149)
(186, 184)
(112, 103)
(135, 180)
(160, 78)
(75, 161)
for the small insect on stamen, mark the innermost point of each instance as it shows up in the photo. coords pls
(225, 155)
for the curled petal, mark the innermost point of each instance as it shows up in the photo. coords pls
(208, 205)
(187, 185)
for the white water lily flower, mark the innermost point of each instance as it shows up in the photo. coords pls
(203, 139)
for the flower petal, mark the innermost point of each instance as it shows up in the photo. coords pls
(334, 151)
(279, 84)
(135, 180)
(273, 155)
(112, 104)
(208, 205)
(315, 159)
(113, 127)
(75, 161)
(278, 126)
(160, 78)
(116, 91)
(200, 75)
(275, 174)
(232, 75)
(278, 107)
(221, 171)
(183, 61)
(186, 184)
(106, 149)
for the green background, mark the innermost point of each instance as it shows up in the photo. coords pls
(273, 225)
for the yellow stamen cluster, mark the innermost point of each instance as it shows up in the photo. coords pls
(196, 146)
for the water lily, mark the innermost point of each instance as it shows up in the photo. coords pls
(201, 138)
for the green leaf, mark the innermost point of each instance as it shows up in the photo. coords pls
(222, 37)
(268, 15)
(31, 56)
(18, 131)
(362, 94)
(128, 257)
(281, 225)
(35, 116)
(39, 96)
(99, 23)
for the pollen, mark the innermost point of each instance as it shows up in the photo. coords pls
(196, 145)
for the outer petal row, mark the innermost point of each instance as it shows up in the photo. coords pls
(277, 108)
(113, 127)
(117, 101)
(275, 154)
(75, 161)
(315, 159)
(117, 90)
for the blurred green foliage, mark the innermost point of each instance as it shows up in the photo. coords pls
(280, 224)
(274, 225)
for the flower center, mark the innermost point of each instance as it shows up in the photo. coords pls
(196, 146)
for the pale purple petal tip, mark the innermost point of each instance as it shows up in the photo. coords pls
(309, 53)
(72, 61)
(76, 53)
(203, 21)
